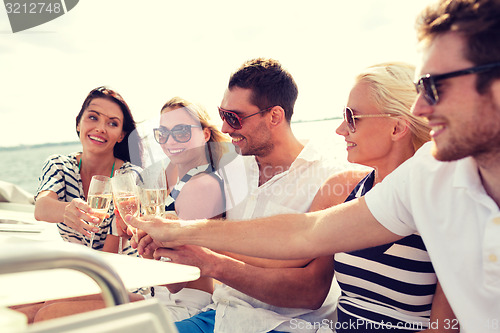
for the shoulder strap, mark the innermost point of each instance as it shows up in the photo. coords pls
(172, 196)
(363, 187)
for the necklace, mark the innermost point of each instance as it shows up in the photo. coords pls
(112, 169)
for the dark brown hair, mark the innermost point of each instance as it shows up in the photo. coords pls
(478, 21)
(270, 83)
(130, 148)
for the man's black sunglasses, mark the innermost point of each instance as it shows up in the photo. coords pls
(427, 83)
(234, 120)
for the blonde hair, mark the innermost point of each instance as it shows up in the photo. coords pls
(393, 91)
(215, 148)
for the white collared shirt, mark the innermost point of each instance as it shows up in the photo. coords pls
(460, 225)
(291, 191)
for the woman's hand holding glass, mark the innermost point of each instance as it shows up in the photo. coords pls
(77, 216)
(121, 226)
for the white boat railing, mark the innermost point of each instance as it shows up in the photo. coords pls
(43, 257)
(119, 316)
(36, 265)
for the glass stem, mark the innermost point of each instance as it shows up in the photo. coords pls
(120, 245)
(91, 240)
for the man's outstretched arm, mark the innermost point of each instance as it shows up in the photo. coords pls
(342, 228)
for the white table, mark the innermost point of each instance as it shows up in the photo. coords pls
(34, 286)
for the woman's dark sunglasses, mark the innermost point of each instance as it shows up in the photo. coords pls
(181, 133)
(349, 117)
(427, 83)
(234, 120)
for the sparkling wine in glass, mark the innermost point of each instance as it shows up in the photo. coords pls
(125, 196)
(125, 193)
(127, 203)
(99, 198)
(153, 191)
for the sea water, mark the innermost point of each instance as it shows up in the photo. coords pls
(22, 165)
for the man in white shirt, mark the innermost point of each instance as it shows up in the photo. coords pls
(276, 174)
(449, 191)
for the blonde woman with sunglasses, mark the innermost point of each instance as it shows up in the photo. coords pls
(194, 147)
(391, 287)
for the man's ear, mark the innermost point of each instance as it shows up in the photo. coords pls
(401, 129)
(277, 115)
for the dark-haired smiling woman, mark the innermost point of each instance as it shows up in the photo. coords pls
(106, 130)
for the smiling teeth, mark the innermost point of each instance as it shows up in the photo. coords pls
(237, 139)
(350, 144)
(97, 139)
(175, 151)
(437, 128)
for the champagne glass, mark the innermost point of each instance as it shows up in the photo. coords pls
(99, 199)
(153, 191)
(125, 196)
(125, 193)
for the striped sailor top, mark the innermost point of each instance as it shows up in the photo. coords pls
(391, 284)
(61, 175)
(172, 196)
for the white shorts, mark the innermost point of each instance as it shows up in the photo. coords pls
(184, 304)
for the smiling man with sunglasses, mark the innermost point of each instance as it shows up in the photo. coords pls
(449, 192)
(277, 174)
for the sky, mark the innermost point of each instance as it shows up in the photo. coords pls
(152, 50)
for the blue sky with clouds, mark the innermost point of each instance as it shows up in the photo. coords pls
(152, 50)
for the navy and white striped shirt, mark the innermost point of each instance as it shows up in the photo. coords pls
(61, 175)
(172, 196)
(392, 284)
